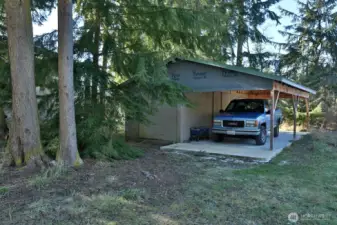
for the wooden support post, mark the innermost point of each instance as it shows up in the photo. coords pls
(308, 116)
(212, 109)
(272, 108)
(277, 98)
(221, 100)
(295, 101)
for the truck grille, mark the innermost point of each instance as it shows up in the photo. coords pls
(231, 123)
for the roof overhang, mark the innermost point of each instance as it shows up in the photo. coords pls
(248, 71)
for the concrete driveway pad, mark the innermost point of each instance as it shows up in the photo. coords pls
(238, 147)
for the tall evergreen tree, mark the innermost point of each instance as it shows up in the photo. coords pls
(311, 47)
(246, 17)
(68, 152)
(24, 145)
(120, 68)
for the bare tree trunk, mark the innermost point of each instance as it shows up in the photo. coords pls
(103, 80)
(68, 152)
(25, 144)
(2, 124)
(241, 33)
(95, 78)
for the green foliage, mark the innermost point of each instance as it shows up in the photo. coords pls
(244, 29)
(316, 118)
(3, 190)
(311, 57)
(133, 194)
(120, 69)
(113, 149)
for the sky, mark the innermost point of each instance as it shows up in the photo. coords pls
(270, 29)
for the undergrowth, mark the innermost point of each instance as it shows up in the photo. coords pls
(47, 176)
(95, 138)
(113, 149)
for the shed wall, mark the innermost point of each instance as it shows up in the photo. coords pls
(203, 110)
(164, 125)
(174, 123)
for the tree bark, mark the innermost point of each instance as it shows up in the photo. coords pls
(24, 144)
(241, 32)
(68, 152)
(103, 80)
(2, 124)
(96, 57)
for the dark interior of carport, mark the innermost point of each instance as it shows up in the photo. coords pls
(205, 76)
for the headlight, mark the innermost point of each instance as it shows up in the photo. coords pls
(217, 122)
(252, 123)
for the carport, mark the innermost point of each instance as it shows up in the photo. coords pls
(211, 86)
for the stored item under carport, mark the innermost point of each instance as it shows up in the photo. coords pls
(199, 133)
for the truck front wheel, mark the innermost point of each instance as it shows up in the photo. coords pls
(218, 137)
(262, 137)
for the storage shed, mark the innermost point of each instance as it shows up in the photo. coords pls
(212, 86)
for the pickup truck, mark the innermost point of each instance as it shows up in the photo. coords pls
(246, 118)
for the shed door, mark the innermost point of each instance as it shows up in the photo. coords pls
(163, 125)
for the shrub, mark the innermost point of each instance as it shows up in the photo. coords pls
(113, 149)
(316, 118)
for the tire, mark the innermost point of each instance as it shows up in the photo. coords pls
(277, 130)
(262, 137)
(218, 137)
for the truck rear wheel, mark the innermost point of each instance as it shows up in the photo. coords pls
(262, 137)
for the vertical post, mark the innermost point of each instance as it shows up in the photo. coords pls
(221, 100)
(272, 108)
(295, 100)
(212, 116)
(277, 98)
(308, 116)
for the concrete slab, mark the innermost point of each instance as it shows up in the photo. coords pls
(238, 147)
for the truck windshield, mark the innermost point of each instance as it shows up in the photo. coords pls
(246, 105)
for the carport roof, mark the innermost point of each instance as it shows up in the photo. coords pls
(249, 71)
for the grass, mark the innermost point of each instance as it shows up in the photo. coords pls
(268, 193)
(4, 190)
(47, 176)
(210, 192)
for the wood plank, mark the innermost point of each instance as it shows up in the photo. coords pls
(295, 102)
(290, 90)
(277, 98)
(267, 96)
(308, 114)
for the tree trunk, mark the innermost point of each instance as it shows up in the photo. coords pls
(241, 32)
(25, 144)
(68, 152)
(103, 80)
(2, 124)
(96, 57)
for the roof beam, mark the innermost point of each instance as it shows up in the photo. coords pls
(289, 90)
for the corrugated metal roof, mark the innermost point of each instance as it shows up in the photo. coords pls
(250, 72)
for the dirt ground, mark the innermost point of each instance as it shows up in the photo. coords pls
(156, 178)
(176, 188)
